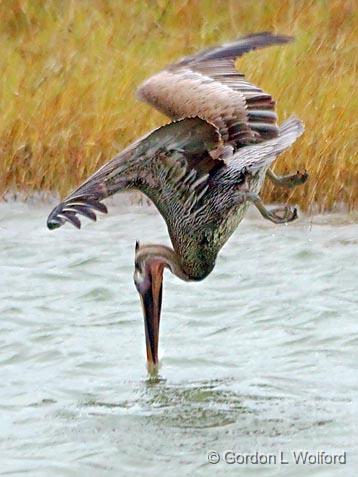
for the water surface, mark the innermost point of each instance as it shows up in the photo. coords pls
(261, 356)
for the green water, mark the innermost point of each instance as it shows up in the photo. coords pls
(260, 357)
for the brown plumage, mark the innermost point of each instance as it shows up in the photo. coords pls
(208, 85)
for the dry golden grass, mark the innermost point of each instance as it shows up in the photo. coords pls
(70, 68)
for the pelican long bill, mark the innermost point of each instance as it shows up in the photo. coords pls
(150, 292)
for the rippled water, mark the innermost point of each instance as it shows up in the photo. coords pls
(261, 356)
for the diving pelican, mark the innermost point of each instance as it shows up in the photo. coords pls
(201, 171)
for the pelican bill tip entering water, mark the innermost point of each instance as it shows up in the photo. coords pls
(201, 171)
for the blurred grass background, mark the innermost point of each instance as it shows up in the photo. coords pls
(69, 69)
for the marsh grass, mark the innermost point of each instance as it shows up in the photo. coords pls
(69, 70)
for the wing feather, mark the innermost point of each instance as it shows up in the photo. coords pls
(208, 85)
(253, 158)
(171, 166)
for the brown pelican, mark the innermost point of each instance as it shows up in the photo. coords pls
(201, 171)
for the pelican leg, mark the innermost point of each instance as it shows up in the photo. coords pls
(289, 181)
(278, 215)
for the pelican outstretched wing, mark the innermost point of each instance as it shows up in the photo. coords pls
(208, 85)
(171, 166)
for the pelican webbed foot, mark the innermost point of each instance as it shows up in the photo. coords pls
(289, 181)
(277, 215)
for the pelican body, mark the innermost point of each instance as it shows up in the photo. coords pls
(201, 171)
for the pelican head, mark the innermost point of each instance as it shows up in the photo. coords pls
(150, 261)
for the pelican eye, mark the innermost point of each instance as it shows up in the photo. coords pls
(138, 275)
